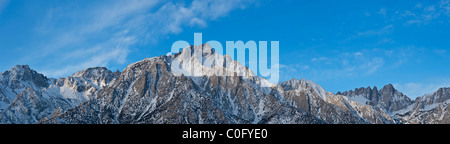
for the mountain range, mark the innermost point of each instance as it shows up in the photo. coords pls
(151, 92)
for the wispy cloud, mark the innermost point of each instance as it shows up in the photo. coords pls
(79, 38)
(114, 50)
(319, 59)
(345, 64)
(385, 30)
(382, 12)
(103, 33)
(171, 17)
(440, 51)
(353, 64)
(3, 4)
(355, 67)
(425, 14)
(374, 32)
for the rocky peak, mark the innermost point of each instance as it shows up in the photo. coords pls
(388, 92)
(206, 49)
(199, 51)
(30, 96)
(95, 77)
(95, 73)
(204, 61)
(368, 93)
(20, 74)
(18, 79)
(387, 98)
(375, 89)
(303, 84)
(389, 88)
(443, 94)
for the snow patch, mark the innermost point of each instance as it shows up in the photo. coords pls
(433, 106)
(360, 99)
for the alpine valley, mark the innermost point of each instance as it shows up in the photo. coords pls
(150, 92)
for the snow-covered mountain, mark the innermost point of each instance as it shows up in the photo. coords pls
(197, 91)
(431, 108)
(148, 91)
(33, 97)
(388, 98)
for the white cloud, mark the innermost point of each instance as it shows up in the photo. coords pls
(319, 59)
(115, 50)
(305, 67)
(440, 51)
(382, 11)
(172, 16)
(425, 14)
(372, 66)
(419, 5)
(388, 29)
(358, 53)
(103, 33)
(385, 30)
(97, 36)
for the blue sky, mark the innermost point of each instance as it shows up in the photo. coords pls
(341, 45)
